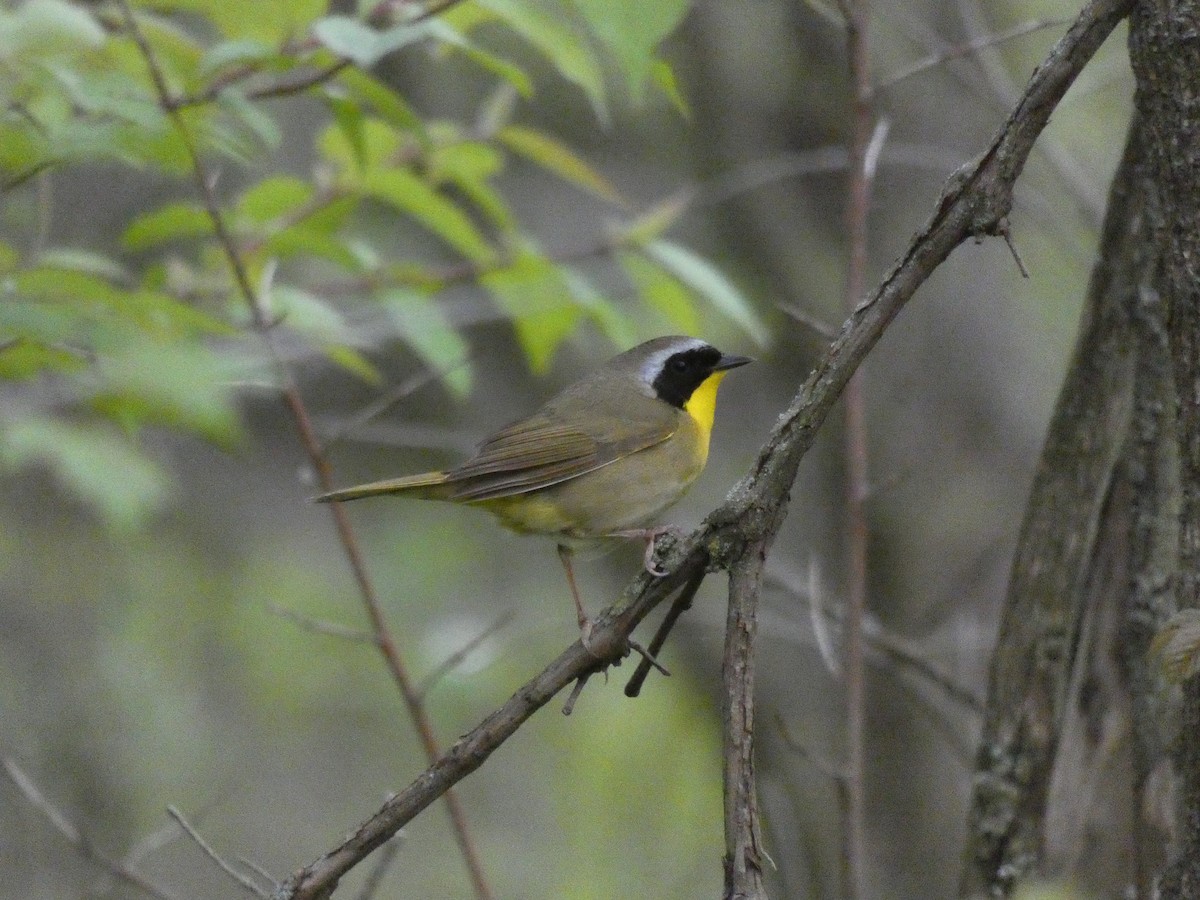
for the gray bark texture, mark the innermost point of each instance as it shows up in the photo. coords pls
(1089, 766)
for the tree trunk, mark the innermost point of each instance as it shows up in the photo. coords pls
(1076, 755)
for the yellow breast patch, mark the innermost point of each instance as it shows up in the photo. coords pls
(702, 407)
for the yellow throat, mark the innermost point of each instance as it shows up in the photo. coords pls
(702, 406)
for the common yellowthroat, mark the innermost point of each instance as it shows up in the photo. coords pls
(601, 459)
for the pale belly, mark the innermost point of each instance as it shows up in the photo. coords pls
(626, 494)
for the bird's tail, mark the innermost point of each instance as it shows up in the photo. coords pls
(427, 485)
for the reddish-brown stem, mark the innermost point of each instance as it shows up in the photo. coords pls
(857, 13)
(312, 448)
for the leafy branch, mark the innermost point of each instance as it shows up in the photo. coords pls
(409, 690)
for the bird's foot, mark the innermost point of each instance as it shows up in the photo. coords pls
(651, 536)
(585, 634)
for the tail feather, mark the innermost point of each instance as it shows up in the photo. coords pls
(424, 485)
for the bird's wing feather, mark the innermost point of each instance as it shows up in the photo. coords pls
(536, 453)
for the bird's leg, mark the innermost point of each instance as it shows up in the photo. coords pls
(585, 624)
(650, 536)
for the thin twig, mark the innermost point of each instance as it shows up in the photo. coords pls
(820, 619)
(1006, 233)
(1067, 168)
(899, 652)
(455, 659)
(827, 766)
(580, 684)
(819, 327)
(246, 882)
(389, 400)
(648, 658)
(387, 854)
(119, 869)
(322, 626)
(970, 47)
(682, 603)
(320, 463)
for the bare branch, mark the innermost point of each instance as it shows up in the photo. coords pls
(969, 48)
(117, 868)
(455, 659)
(744, 854)
(375, 878)
(389, 400)
(320, 626)
(247, 884)
(682, 603)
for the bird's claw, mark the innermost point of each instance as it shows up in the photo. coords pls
(652, 536)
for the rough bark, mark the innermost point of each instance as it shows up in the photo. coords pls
(1074, 761)
(1165, 54)
(744, 857)
(1043, 617)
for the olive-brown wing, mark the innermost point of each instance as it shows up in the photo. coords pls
(538, 452)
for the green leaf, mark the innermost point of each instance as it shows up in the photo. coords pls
(349, 118)
(169, 223)
(269, 21)
(22, 149)
(533, 292)
(307, 313)
(105, 95)
(26, 359)
(41, 323)
(613, 323)
(420, 322)
(556, 157)
(470, 166)
(76, 259)
(390, 106)
(304, 240)
(100, 467)
(352, 39)
(353, 362)
(234, 54)
(409, 194)
(376, 144)
(708, 281)
(176, 47)
(632, 29)
(663, 76)
(273, 197)
(662, 292)
(512, 74)
(557, 40)
(178, 385)
(652, 222)
(253, 117)
(40, 28)
(87, 298)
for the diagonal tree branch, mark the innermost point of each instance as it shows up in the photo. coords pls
(975, 202)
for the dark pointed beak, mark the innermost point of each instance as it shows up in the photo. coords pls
(729, 361)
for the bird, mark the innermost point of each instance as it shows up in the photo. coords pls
(601, 459)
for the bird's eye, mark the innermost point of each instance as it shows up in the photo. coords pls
(679, 364)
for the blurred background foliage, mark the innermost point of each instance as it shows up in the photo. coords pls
(477, 208)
